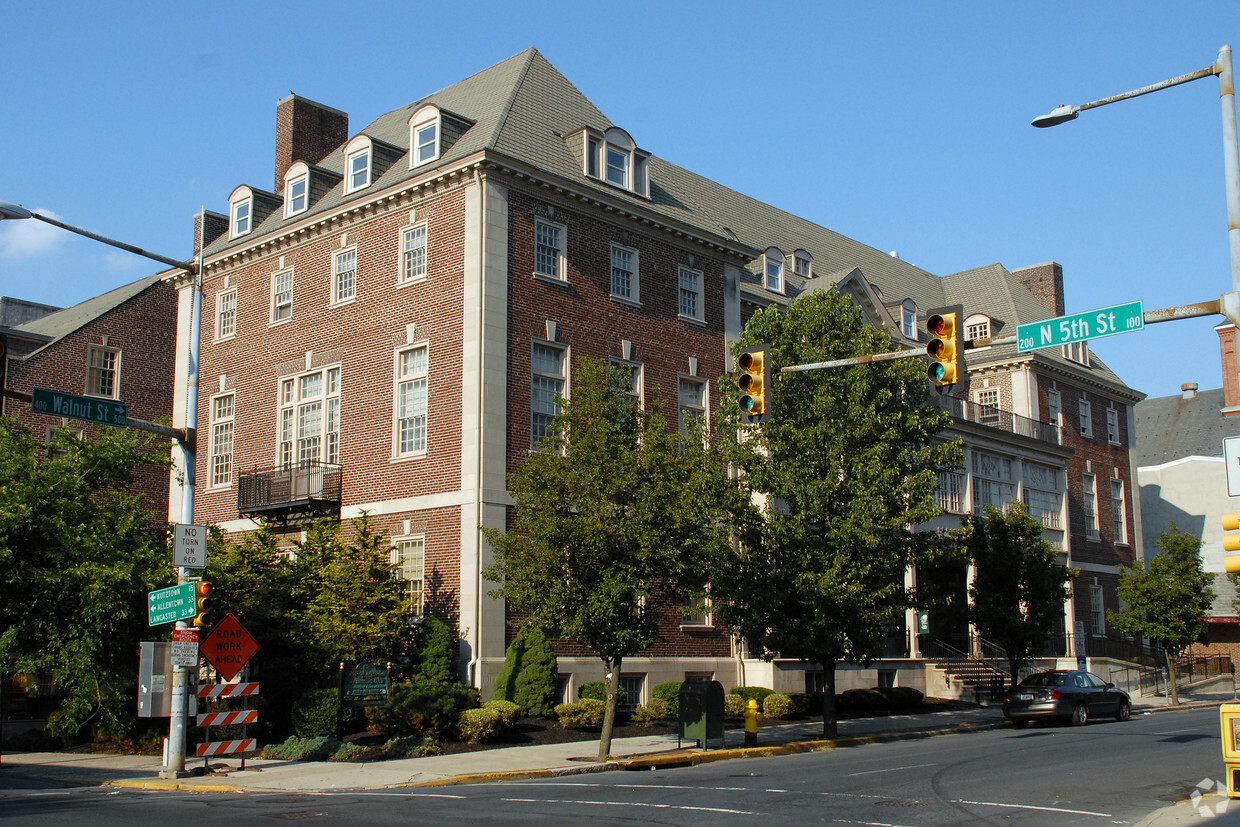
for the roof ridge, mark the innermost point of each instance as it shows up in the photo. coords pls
(530, 53)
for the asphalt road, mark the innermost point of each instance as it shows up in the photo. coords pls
(1105, 773)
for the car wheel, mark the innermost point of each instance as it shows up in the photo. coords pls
(1019, 724)
(1080, 715)
(1125, 711)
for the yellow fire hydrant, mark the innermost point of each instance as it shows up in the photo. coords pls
(752, 716)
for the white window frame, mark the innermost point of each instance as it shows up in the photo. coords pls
(281, 300)
(296, 405)
(1097, 611)
(636, 389)
(226, 314)
(103, 371)
(418, 143)
(344, 281)
(1054, 407)
(773, 271)
(619, 174)
(697, 291)
(1119, 518)
(557, 251)
(291, 196)
(1085, 421)
(414, 257)
(632, 273)
(632, 700)
(1077, 352)
(987, 400)
(977, 330)
(1089, 505)
(223, 432)
(357, 169)
(908, 321)
(993, 481)
(1113, 426)
(241, 219)
(696, 405)
(402, 549)
(411, 401)
(802, 265)
(699, 616)
(543, 383)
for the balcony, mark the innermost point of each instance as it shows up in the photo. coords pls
(290, 496)
(993, 417)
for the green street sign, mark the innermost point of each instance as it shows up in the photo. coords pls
(1064, 330)
(86, 408)
(171, 604)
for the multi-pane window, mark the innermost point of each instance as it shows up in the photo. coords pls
(1077, 352)
(624, 273)
(411, 401)
(1043, 494)
(692, 400)
(802, 266)
(358, 167)
(988, 406)
(309, 422)
(1085, 418)
(1113, 426)
(993, 482)
(633, 390)
(1053, 407)
(425, 142)
(977, 330)
(226, 314)
(775, 273)
(632, 686)
(240, 218)
(908, 322)
(695, 611)
(1089, 502)
(1118, 523)
(1096, 613)
(103, 365)
(413, 253)
(691, 304)
(282, 295)
(950, 491)
(344, 275)
(409, 558)
(549, 250)
(547, 380)
(296, 197)
(617, 166)
(223, 410)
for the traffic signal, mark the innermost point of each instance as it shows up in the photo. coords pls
(945, 348)
(202, 602)
(1231, 542)
(755, 383)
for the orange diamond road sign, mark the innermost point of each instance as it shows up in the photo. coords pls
(228, 647)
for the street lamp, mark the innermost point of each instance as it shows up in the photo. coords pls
(175, 763)
(1229, 302)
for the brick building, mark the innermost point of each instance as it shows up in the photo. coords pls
(385, 330)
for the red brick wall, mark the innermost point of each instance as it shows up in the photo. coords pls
(1231, 367)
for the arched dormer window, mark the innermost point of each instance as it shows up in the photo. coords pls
(773, 269)
(977, 326)
(240, 212)
(425, 132)
(296, 189)
(908, 319)
(358, 154)
(612, 156)
(802, 264)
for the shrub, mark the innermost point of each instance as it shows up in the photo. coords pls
(528, 676)
(776, 705)
(350, 752)
(656, 710)
(410, 747)
(806, 703)
(758, 693)
(303, 749)
(733, 706)
(482, 724)
(905, 697)
(597, 691)
(669, 693)
(314, 714)
(426, 709)
(588, 712)
(508, 711)
(434, 653)
(859, 701)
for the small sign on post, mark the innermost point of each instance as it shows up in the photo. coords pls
(184, 647)
(189, 546)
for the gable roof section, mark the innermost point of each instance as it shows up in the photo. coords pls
(56, 326)
(1172, 427)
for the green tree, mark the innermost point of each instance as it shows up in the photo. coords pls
(611, 517)
(528, 675)
(1168, 601)
(434, 653)
(79, 550)
(846, 465)
(1020, 588)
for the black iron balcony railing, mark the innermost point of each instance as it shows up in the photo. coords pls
(292, 494)
(993, 417)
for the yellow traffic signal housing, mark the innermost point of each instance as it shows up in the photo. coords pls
(202, 602)
(946, 350)
(755, 383)
(1231, 542)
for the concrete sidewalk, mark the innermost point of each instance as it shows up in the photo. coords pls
(493, 765)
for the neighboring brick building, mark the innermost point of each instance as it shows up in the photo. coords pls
(118, 345)
(385, 333)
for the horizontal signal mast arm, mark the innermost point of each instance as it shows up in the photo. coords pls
(857, 360)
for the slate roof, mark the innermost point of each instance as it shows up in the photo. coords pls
(1172, 427)
(63, 322)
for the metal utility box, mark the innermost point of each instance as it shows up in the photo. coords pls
(1229, 722)
(155, 680)
(701, 712)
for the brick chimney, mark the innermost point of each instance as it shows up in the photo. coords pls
(1231, 369)
(1045, 281)
(306, 131)
(214, 225)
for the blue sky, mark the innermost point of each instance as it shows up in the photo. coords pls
(904, 125)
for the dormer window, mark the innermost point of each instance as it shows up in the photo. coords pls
(241, 210)
(613, 157)
(976, 327)
(773, 268)
(424, 135)
(359, 169)
(241, 218)
(908, 320)
(296, 190)
(803, 264)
